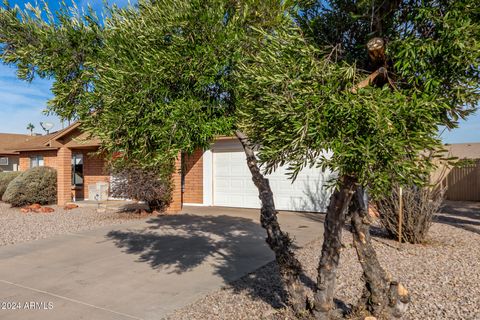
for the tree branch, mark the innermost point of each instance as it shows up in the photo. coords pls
(368, 81)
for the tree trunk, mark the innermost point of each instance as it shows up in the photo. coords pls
(332, 245)
(279, 241)
(382, 297)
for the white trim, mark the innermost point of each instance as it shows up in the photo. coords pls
(207, 178)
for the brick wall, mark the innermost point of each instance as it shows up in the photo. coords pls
(61, 160)
(64, 175)
(49, 158)
(193, 188)
(177, 203)
(93, 171)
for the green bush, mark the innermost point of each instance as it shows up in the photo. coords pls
(5, 178)
(37, 185)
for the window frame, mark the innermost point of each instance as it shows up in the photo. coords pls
(74, 171)
(35, 161)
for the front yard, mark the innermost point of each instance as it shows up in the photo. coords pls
(16, 227)
(443, 276)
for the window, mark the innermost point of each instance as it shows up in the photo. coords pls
(3, 161)
(36, 161)
(77, 169)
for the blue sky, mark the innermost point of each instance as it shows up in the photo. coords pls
(22, 102)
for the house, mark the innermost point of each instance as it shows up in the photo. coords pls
(218, 176)
(214, 177)
(71, 153)
(9, 158)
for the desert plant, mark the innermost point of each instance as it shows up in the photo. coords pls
(419, 206)
(5, 178)
(141, 184)
(36, 185)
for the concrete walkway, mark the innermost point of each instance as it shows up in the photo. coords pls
(143, 270)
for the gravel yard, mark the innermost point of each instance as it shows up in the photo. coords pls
(16, 227)
(442, 276)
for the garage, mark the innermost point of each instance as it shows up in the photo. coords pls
(233, 187)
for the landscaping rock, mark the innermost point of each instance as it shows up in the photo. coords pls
(46, 210)
(442, 276)
(70, 206)
(25, 224)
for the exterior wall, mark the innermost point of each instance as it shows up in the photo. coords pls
(61, 160)
(93, 171)
(49, 157)
(13, 161)
(177, 202)
(64, 176)
(193, 178)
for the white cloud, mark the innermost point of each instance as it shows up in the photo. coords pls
(22, 102)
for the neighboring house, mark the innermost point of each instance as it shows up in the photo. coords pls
(9, 158)
(72, 154)
(463, 180)
(215, 177)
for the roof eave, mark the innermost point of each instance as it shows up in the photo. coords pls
(36, 149)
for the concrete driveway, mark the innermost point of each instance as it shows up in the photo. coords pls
(143, 270)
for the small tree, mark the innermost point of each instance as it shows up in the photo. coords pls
(30, 128)
(369, 81)
(152, 81)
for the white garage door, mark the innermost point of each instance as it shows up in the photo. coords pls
(233, 186)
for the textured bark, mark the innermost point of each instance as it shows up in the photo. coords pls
(376, 52)
(370, 79)
(279, 241)
(332, 245)
(382, 297)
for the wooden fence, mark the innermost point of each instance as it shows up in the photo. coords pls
(464, 182)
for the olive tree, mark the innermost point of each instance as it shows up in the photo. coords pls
(151, 81)
(370, 82)
(168, 76)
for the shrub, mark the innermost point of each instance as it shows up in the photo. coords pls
(5, 178)
(37, 185)
(148, 185)
(419, 206)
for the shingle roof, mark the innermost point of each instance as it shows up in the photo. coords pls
(33, 143)
(10, 141)
(13, 143)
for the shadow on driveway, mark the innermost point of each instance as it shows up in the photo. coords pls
(230, 246)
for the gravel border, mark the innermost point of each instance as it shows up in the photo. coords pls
(443, 278)
(17, 227)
